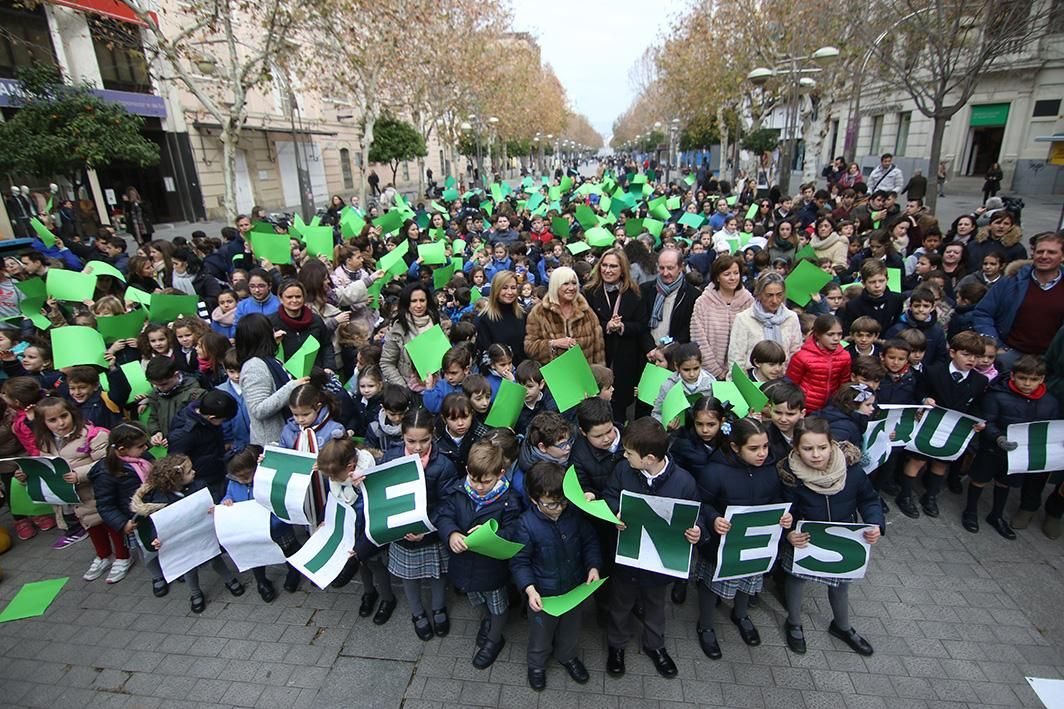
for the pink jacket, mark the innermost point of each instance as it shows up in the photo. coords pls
(711, 324)
(24, 433)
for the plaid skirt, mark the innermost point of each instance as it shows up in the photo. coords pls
(497, 601)
(727, 589)
(421, 562)
(787, 560)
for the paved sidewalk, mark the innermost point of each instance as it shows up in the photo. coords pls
(957, 620)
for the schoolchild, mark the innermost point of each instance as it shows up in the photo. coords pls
(537, 398)
(456, 364)
(386, 431)
(786, 407)
(688, 373)
(821, 366)
(453, 426)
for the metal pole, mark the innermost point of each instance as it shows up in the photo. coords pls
(790, 128)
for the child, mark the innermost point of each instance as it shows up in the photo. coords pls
(368, 401)
(768, 362)
(314, 420)
(823, 481)
(867, 371)
(196, 431)
(921, 316)
(240, 488)
(918, 347)
(848, 413)
(171, 392)
(697, 441)
(864, 332)
(688, 372)
(237, 430)
(21, 394)
(549, 437)
(452, 429)
(969, 293)
(456, 364)
(83, 385)
(188, 331)
(820, 367)
(36, 362)
(344, 464)
(984, 363)
(953, 386)
(742, 473)
(646, 470)
(170, 480)
(478, 390)
(466, 504)
(874, 301)
(384, 432)
(560, 552)
(786, 405)
(210, 353)
(157, 341)
(1022, 398)
(222, 315)
(898, 386)
(537, 398)
(597, 450)
(603, 380)
(422, 556)
(114, 480)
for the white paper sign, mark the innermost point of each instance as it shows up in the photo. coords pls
(323, 556)
(1049, 691)
(186, 534)
(282, 480)
(1041, 446)
(243, 528)
(836, 550)
(749, 548)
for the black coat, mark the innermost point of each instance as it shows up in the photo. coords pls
(594, 466)
(95, 410)
(897, 389)
(294, 339)
(682, 310)
(624, 352)
(937, 383)
(885, 309)
(439, 475)
(1003, 407)
(857, 495)
(455, 452)
(690, 452)
(729, 481)
(936, 338)
(113, 493)
(557, 555)
(509, 330)
(844, 426)
(470, 571)
(203, 442)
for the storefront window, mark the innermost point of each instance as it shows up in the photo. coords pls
(120, 55)
(25, 39)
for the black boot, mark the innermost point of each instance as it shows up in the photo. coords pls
(679, 592)
(906, 505)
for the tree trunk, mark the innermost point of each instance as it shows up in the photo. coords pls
(938, 129)
(229, 137)
(363, 147)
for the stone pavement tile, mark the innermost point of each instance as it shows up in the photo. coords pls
(913, 688)
(590, 701)
(822, 700)
(832, 681)
(927, 647)
(242, 694)
(923, 666)
(479, 694)
(995, 694)
(878, 685)
(238, 649)
(308, 677)
(865, 701)
(696, 692)
(110, 680)
(287, 697)
(209, 690)
(272, 673)
(424, 704)
(381, 683)
(737, 695)
(663, 689)
(955, 690)
(782, 698)
(629, 686)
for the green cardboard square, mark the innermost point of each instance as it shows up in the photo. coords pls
(570, 379)
(427, 350)
(633, 227)
(751, 392)
(752, 212)
(894, 280)
(805, 280)
(32, 599)
(71, 286)
(77, 344)
(507, 405)
(433, 254)
(650, 383)
(167, 308)
(389, 222)
(393, 257)
(727, 391)
(101, 268)
(302, 360)
(450, 195)
(672, 203)
(578, 247)
(319, 241)
(559, 226)
(692, 220)
(275, 248)
(597, 236)
(122, 327)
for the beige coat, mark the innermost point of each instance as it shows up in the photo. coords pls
(834, 247)
(747, 332)
(81, 454)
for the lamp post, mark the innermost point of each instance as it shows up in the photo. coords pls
(674, 127)
(793, 69)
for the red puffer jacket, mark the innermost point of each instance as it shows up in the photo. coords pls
(818, 372)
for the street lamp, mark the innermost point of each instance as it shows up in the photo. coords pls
(674, 127)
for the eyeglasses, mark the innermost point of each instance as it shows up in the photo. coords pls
(565, 445)
(552, 505)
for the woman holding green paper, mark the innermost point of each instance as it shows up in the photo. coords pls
(265, 383)
(614, 296)
(294, 323)
(416, 314)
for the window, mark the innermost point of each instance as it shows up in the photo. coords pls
(901, 143)
(406, 171)
(25, 39)
(1056, 18)
(877, 135)
(345, 169)
(119, 54)
(1046, 108)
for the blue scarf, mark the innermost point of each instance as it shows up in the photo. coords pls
(482, 501)
(663, 292)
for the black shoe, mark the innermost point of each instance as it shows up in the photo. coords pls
(929, 504)
(707, 639)
(384, 612)
(291, 580)
(795, 637)
(422, 627)
(577, 671)
(614, 662)
(679, 592)
(442, 622)
(1001, 527)
(906, 506)
(953, 483)
(235, 587)
(487, 653)
(266, 591)
(884, 505)
(346, 574)
(369, 602)
(482, 631)
(755, 600)
(159, 587)
(662, 662)
(537, 679)
(970, 522)
(199, 603)
(851, 638)
(747, 630)
(638, 611)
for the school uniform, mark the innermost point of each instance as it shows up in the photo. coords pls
(950, 388)
(845, 425)
(594, 466)
(779, 446)
(897, 388)
(381, 435)
(546, 403)
(187, 360)
(204, 443)
(426, 558)
(366, 410)
(690, 452)
(854, 354)
(456, 449)
(937, 350)
(100, 410)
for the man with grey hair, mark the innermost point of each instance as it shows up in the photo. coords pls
(669, 301)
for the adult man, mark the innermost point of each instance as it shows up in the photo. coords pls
(916, 187)
(834, 172)
(845, 205)
(811, 210)
(669, 300)
(887, 176)
(1025, 310)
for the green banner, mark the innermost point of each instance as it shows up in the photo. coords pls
(281, 483)
(749, 548)
(486, 541)
(943, 434)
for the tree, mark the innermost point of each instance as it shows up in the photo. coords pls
(395, 141)
(63, 130)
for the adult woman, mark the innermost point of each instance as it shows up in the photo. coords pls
(715, 311)
(263, 380)
(142, 274)
(332, 214)
(563, 320)
(416, 313)
(161, 253)
(644, 268)
(954, 265)
(767, 319)
(784, 242)
(993, 182)
(294, 323)
(262, 299)
(827, 243)
(852, 176)
(962, 231)
(319, 286)
(1002, 234)
(613, 294)
(503, 319)
(189, 274)
(139, 225)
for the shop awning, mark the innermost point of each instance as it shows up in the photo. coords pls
(115, 9)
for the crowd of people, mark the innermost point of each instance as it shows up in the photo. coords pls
(691, 276)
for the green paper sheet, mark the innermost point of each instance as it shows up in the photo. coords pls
(559, 226)
(122, 327)
(654, 226)
(751, 392)
(507, 405)
(672, 203)
(138, 383)
(692, 220)
(389, 222)
(42, 232)
(560, 605)
(486, 541)
(805, 252)
(319, 240)
(597, 236)
(427, 350)
(263, 228)
(275, 248)
(496, 192)
(450, 195)
(21, 504)
(474, 295)
(70, 285)
(566, 184)
(633, 227)
(422, 221)
(570, 379)
(674, 404)
(77, 344)
(805, 280)
(578, 247)
(732, 200)
(302, 360)
(167, 308)
(650, 383)
(534, 201)
(727, 391)
(158, 452)
(575, 494)
(433, 254)
(690, 180)
(660, 212)
(34, 291)
(33, 599)
(442, 276)
(458, 247)
(586, 217)
(894, 280)
(437, 234)
(100, 268)
(389, 260)
(351, 225)
(136, 295)
(752, 212)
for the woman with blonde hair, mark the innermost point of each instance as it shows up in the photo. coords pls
(502, 319)
(613, 293)
(562, 320)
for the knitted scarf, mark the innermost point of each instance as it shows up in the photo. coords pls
(771, 322)
(825, 482)
(664, 290)
(223, 319)
(302, 322)
(482, 501)
(140, 466)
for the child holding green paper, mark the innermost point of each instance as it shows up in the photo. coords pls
(686, 361)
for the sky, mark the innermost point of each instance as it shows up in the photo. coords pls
(592, 44)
